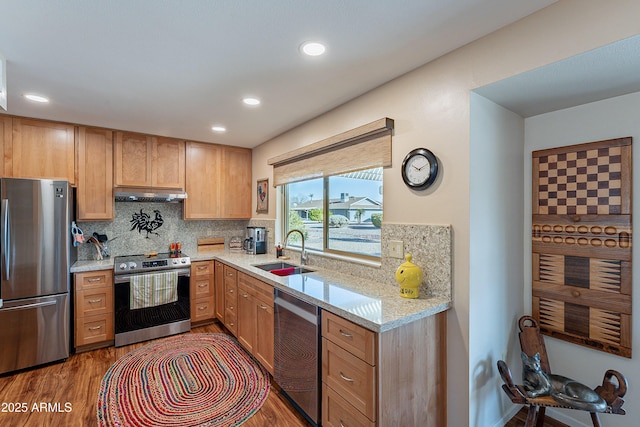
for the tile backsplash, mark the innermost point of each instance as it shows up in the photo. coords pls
(430, 245)
(126, 238)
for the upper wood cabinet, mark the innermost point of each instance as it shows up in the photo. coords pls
(236, 182)
(203, 185)
(149, 161)
(5, 140)
(218, 182)
(167, 163)
(95, 174)
(41, 149)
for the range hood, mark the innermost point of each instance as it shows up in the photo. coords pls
(149, 195)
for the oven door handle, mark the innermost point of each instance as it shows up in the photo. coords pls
(126, 278)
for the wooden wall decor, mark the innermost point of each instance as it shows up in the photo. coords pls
(582, 243)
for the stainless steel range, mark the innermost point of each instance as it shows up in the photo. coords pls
(151, 296)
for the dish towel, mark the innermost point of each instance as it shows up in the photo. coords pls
(150, 290)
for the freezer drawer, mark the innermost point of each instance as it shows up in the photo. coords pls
(34, 331)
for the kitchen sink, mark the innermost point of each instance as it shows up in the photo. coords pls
(283, 268)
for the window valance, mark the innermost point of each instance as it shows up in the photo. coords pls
(365, 147)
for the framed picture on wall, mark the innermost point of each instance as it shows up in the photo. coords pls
(262, 194)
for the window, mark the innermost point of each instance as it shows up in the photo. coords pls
(338, 214)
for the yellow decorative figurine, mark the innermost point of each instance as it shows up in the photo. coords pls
(409, 277)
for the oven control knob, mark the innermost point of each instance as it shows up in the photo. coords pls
(123, 266)
(175, 261)
(132, 265)
(184, 261)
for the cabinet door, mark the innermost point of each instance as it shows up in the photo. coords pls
(43, 149)
(95, 174)
(5, 144)
(167, 165)
(236, 183)
(264, 335)
(202, 181)
(133, 153)
(219, 291)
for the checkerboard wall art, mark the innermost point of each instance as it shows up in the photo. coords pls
(582, 243)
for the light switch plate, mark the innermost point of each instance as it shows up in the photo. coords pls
(396, 249)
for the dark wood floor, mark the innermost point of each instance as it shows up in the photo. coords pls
(69, 391)
(521, 417)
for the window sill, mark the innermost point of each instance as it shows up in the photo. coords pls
(339, 257)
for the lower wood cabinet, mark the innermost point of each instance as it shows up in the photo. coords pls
(396, 377)
(255, 318)
(202, 292)
(231, 299)
(93, 315)
(219, 290)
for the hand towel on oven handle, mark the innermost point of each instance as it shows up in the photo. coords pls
(150, 290)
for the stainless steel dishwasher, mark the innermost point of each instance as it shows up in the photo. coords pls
(297, 353)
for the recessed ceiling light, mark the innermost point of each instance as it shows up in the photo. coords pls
(313, 48)
(36, 98)
(218, 129)
(250, 100)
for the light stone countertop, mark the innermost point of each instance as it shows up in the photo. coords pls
(376, 306)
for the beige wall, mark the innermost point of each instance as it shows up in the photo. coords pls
(431, 109)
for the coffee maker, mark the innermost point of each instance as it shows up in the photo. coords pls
(255, 242)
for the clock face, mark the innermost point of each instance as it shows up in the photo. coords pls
(419, 169)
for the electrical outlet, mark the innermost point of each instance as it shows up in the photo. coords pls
(396, 249)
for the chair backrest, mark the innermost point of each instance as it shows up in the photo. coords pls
(532, 341)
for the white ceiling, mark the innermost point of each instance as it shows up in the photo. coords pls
(175, 68)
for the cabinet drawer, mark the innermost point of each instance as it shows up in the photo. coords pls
(94, 279)
(255, 287)
(353, 338)
(202, 268)
(231, 321)
(337, 412)
(230, 297)
(351, 377)
(230, 274)
(201, 286)
(94, 329)
(91, 302)
(202, 309)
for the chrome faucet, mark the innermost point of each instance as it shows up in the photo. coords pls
(303, 254)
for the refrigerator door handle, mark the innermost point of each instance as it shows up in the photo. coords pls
(27, 306)
(6, 238)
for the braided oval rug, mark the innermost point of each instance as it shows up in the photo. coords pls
(185, 380)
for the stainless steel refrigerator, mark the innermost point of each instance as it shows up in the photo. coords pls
(36, 253)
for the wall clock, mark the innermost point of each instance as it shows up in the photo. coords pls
(419, 169)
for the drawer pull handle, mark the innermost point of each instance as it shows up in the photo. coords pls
(202, 267)
(344, 334)
(230, 291)
(94, 279)
(202, 308)
(95, 328)
(202, 285)
(230, 307)
(341, 425)
(350, 380)
(95, 300)
(264, 307)
(245, 295)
